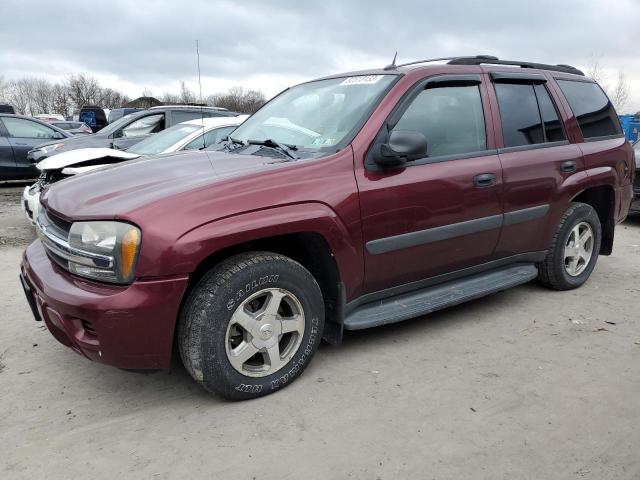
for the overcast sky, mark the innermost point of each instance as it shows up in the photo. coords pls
(138, 45)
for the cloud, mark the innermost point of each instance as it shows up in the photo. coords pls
(270, 45)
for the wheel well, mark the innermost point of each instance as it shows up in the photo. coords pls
(312, 251)
(602, 199)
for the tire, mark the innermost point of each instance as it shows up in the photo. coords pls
(558, 271)
(243, 304)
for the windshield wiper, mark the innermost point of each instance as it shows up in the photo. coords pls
(231, 144)
(281, 147)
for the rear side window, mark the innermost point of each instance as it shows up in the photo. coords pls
(595, 113)
(528, 114)
(451, 119)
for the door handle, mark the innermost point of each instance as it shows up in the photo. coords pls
(568, 167)
(484, 180)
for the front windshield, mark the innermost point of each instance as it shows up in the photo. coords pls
(159, 142)
(112, 127)
(315, 115)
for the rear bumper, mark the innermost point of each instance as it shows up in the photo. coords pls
(124, 326)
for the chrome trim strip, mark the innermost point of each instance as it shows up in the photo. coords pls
(62, 248)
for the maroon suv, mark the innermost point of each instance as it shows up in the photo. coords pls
(347, 202)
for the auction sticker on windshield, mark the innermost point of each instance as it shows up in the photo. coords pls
(361, 80)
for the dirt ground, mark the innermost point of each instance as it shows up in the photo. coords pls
(526, 384)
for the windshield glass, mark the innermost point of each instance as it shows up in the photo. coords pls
(316, 115)
(159, 142)
(112, 127)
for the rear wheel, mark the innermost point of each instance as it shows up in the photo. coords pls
(251, 325)
(574, 250)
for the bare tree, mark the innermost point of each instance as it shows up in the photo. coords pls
(620, 93)
(60, 100)
(186, 95)
(238, 99)
(3, 89)
(41, 96)
(83, 90)
(168, 98)
(20, 94)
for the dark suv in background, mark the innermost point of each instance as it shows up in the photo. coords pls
(347, 202)
(130, 129)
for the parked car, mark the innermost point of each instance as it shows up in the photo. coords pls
(192, 135)
(93, 116)
(635, 205)
(50, 117)
(18, 135)
(74, 128)
(347, 202)
(4, 108)
(118, 113)
(129, 130)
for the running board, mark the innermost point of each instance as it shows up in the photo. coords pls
(420, 302)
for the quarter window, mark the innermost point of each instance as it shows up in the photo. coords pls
(451, 119)
(593, 110)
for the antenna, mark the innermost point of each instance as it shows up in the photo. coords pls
(204, 145)
(392, 65)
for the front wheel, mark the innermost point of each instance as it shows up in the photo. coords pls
(574, 250)
(251, 325)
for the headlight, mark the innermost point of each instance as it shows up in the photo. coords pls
(118, 240)
(51, 148)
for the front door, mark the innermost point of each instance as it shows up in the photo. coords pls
(7, 161)
(24, 135)
(439, 213)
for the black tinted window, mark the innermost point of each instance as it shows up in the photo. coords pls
(552, 124)
(521, 124)
(595, 113)
(451, 119)
(523, 108)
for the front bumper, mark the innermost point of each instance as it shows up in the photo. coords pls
(31, 202)
(125, 326)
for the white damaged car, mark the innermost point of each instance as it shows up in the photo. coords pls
(192, 135)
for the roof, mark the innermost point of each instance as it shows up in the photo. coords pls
(487, 62)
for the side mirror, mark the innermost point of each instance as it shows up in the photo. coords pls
(402, 146)
(58, 136)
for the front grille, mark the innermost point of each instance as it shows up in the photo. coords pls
(60, 226)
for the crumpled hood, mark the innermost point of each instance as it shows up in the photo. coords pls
(84, 156)
(116, 190)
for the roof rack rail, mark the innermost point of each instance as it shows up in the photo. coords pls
(480, 59)
(490, 59)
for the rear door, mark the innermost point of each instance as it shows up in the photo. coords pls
(443, 212)
(537, 160)
(7, 160)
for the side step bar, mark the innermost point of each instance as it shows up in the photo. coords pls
(420, 302)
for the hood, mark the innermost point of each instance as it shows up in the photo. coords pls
(116, 190)
(84, 156)
(80, 141)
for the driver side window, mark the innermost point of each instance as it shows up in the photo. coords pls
(144, 126)
(450, 118)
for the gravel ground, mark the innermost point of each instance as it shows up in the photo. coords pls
(525, 384)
